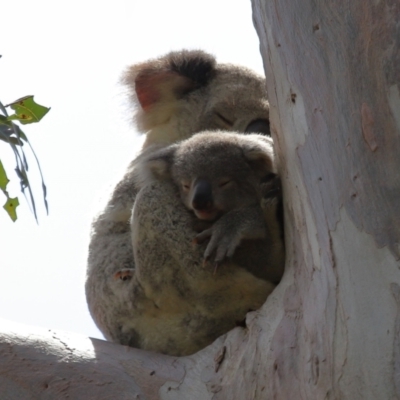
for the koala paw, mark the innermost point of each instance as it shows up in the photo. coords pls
(226, 234)
(124, 274)
(221, 243)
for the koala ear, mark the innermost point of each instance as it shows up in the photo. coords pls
(157, 85)
(260, 156)
(159, 163)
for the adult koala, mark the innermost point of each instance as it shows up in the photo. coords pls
(176, 96)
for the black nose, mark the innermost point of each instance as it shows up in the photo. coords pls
(202, 195)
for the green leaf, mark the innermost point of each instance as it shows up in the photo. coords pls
(27, 111)
(18, 131)
(12, 140)
(3, 120)
(3, 178)
(10, 207)
(5, 135)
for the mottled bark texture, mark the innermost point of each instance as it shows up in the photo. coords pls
(331, 330)
(333, 76)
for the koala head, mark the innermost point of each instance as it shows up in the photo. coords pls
(216, 172)
(185, 92)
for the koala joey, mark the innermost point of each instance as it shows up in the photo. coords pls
(174, 97)
(222, 179)
(217, 178)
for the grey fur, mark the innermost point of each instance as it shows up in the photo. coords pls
(218, 175)
(176, 96)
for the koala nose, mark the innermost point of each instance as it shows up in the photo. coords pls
(202, 196)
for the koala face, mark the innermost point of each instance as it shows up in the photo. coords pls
(217, 172)
(212, 186)
(237, 101)
(186, 92)
(209, 198)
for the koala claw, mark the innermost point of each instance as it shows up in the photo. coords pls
(216, 265)
(222, 245)
(203, 236)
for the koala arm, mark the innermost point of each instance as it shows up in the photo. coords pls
(161, 235)
(227, 232)
(264, 221)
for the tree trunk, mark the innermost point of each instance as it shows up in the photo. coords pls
(331, 329)
(333, 75)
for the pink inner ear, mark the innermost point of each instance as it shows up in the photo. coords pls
(156, 86)
(147, 89)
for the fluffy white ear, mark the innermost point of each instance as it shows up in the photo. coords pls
(156, 86)
(153, 165)
(159, 167)
(158, 164)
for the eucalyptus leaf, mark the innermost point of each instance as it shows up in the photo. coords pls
(27, 110)
(3, 178)
(10, 206)
(5, 135)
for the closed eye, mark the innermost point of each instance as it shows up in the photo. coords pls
(225, 183)
(223, 119)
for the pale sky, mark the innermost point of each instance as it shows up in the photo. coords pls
(70, 55)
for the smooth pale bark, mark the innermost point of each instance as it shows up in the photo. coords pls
(333, 75)
(331, 330)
